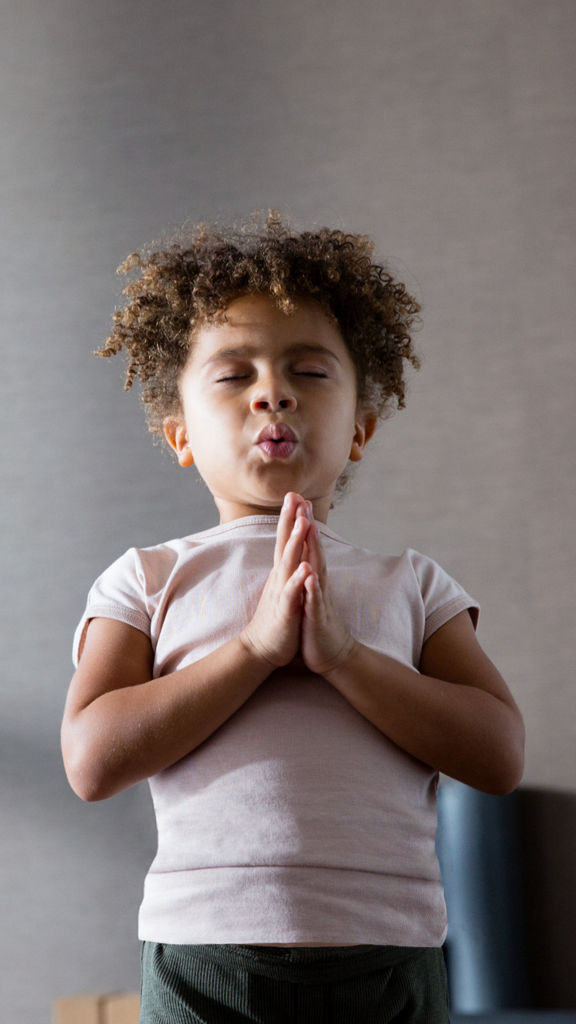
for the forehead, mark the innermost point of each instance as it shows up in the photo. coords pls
(254, 323)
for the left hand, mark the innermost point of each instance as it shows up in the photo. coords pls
(325, 638)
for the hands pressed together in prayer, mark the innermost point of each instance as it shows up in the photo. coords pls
(454, 713)
(296, 614)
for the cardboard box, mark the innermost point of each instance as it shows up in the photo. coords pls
(110, 1008)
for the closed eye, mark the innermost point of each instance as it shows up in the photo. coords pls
(244, 376)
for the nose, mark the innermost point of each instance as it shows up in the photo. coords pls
(272, 395)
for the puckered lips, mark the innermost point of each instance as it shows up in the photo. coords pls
(277, 440)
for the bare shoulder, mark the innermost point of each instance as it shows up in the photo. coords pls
(114, 655)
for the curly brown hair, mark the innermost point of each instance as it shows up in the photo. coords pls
(193, 279)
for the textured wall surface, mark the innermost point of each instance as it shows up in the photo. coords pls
(444, 130)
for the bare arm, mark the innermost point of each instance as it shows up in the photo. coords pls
(456, 714)
(121, 726)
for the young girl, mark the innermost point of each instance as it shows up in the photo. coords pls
(291, 698)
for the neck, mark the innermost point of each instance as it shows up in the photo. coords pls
(230, 510)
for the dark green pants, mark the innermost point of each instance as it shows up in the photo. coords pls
(264, 985)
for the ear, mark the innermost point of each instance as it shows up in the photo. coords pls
(364, 427)
(175, 434)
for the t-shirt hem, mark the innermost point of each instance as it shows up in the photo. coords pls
(119, 612)
(441, 616)
(292, 906)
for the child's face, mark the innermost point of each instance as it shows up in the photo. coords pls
(262, 369)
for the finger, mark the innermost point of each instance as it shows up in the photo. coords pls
(296, 544)
(317, 558)
(313, 598)
(285, 525)
(313, 547)
(311, 585)
(288, 557)
(294, 590)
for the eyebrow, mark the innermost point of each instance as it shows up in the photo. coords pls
(239, 351)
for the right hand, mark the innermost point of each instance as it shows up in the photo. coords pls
(274, 631)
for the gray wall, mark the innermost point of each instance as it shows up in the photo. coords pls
(446, 131)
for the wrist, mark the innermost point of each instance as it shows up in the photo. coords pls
(256, 652)
(342, 661)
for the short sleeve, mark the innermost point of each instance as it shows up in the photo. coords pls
(442, 596)
(119, 593)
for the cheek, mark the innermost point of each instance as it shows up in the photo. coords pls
(214, 428)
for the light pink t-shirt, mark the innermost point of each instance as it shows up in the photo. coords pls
(297, 821)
